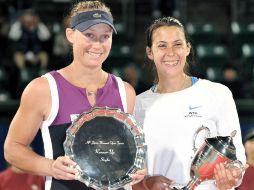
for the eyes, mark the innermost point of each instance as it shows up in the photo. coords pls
(93, 37)
(163, 45)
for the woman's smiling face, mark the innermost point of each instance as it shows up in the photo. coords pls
(169, 50)
(92, 46)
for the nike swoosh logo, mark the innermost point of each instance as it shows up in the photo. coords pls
(194, 107)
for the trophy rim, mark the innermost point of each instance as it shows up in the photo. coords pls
(231, 150)
(129, 122)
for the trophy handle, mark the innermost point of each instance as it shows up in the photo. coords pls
(237, 164)
(233, 133)
(192, 184)
(196, 134)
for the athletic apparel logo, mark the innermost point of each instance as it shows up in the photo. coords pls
(97, 15)
(192, 112)
(194, 107)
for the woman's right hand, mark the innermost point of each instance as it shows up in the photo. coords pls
(64, 168)
(159, 183)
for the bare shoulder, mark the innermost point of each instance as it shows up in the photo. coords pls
(129, 89)
(36, 96)
(131, 97)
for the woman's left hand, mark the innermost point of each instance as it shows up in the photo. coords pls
(227, 177)
(138, 176)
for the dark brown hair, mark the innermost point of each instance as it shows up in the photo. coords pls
(169, 21)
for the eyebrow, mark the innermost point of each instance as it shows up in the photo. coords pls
(178, 40)
(161, 42)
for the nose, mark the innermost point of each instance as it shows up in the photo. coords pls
(96, 43)
(170, 51)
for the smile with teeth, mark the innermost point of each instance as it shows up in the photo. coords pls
(94, 54)
(171, 63)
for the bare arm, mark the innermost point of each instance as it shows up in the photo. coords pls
(34, 107)
(131, 97)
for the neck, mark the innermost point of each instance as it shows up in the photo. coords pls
(88, 78)
(173, 85)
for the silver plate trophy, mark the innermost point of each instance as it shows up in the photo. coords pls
(107, 145)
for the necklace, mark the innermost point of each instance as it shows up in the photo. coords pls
(185, 80)
(92, 93)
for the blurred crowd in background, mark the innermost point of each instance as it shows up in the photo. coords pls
(32, 35)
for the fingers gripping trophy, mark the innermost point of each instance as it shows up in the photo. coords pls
(219, 149)
(108, 147)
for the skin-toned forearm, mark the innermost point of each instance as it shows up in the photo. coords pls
(24, 158)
